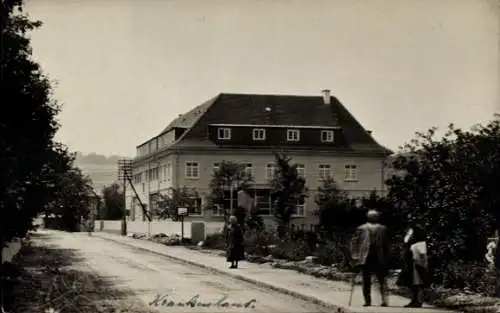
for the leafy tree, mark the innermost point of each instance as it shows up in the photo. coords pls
(336, 212)
(287, 189)
(254, 221)
(390, 217)
(228, 174)
(113, 202)
(448, 186)
(167, 205)
(71, 199)
(28, 126)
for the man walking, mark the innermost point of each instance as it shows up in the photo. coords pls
(370, 251)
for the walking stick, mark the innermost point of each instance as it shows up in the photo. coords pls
(353, 284)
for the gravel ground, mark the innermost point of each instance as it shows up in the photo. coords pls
(55, 277)
(78, 273)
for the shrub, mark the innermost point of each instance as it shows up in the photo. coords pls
(333, 252)
(311, 238)
(215, 241)
(397, 249)
(258, 242)
(475, 277)
(292, 250)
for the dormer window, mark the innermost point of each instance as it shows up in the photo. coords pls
(293, 135)
(327, 136)
(259, 134)
(224, 133)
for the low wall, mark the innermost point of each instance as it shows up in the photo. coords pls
(10, 251)
(197, 231)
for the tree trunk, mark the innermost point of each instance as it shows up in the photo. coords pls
(496, 267)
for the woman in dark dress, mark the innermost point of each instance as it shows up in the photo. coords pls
(235, 248)
(415, 274)
(404, 279)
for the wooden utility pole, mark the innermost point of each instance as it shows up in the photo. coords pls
(124, 170)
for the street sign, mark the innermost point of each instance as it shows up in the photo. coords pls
(182, 211)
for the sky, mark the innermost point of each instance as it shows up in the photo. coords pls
(123, 69)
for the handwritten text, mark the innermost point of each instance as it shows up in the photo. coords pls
(222, 302)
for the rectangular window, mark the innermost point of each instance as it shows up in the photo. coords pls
(218, 210)
(301, 170)
(195, 207)
(259, 134)
(293, 135)
(350, 172)
(224, 133)
(327, 135)
(263, 201)
(192, 170)
(249, 169)
(300, 209)
(270, 171)
(325, 171)
(228, 198)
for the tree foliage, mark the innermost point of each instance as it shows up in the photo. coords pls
(254, 221)
(389, 216)
(27, 124)
(228, 174)
(287, 189)
(335, 210)
(449, 186)
(71, 198)
(37, 173)
(114, 202)
(168, 204)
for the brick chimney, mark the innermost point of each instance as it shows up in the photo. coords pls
(326, 96)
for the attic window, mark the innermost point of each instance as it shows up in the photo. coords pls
(327, 136)
(224, 133)
(259, 134)
(293, 135)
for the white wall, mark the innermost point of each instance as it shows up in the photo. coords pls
(9, 252)
(145, 187)
(166, 227)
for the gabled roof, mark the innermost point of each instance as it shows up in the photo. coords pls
(187, 120)
(260, 109)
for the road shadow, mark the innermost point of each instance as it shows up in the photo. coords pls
(52, 277)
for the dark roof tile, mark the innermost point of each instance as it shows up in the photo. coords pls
(251, 109)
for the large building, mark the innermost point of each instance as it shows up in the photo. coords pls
(318, 132)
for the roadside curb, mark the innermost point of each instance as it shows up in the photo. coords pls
(282, 290)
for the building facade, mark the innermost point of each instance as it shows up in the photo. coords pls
(318, 133)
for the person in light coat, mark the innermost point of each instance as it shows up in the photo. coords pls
(370, 253)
